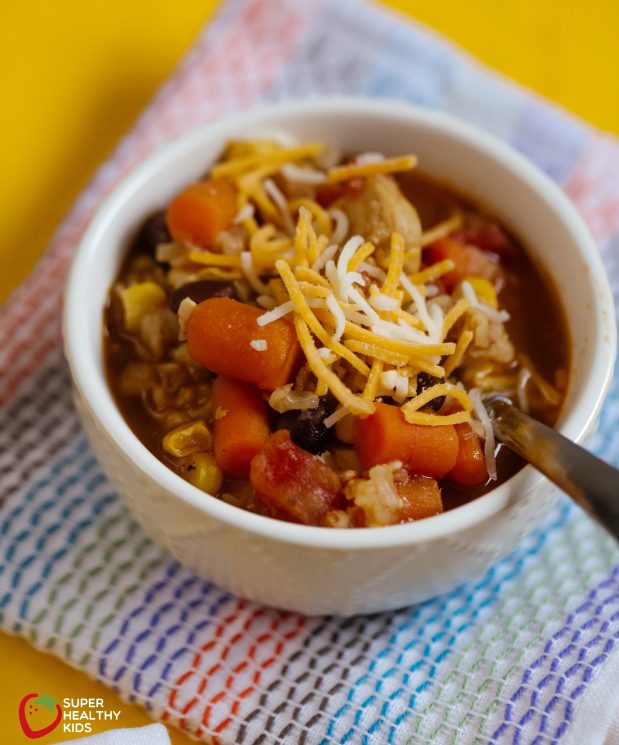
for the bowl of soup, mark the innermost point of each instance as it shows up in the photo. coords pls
(282, 329)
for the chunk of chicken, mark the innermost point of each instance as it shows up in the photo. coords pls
(381, 209)
(491, 340)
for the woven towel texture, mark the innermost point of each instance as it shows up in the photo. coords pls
(508, 658)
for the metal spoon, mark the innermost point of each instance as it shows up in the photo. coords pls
(588, 480)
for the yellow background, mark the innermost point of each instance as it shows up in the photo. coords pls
(73, 77)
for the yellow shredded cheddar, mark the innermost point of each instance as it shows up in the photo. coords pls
(355, 404)
(302, 308)
(437, 420)
(361, 254)
(388, 165)
(212, 259)
(238, 166)
(436, 391)
(324, 221)
(442, 229)
(309, 275)
(396, 262)
(376, 352)
(465, 338)
(432, 272)
(453, 314)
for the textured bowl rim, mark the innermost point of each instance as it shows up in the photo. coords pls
(90, 379)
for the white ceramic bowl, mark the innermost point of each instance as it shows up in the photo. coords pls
(319, 570)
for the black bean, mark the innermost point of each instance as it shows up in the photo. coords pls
(426, 381)
(201, 290)
(154, 231)
(307, 429)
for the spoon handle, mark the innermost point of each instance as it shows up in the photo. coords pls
(588, 480)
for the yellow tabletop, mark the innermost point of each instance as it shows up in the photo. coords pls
(67, 99)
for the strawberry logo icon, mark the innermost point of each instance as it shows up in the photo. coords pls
(34, 713)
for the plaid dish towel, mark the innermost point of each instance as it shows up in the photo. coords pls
(526, 653)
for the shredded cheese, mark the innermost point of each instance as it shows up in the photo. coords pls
(300, 175)
(273, 315)
(238, 166)
(341, 225)
(361, 170)
(489, 443)
(355, 404)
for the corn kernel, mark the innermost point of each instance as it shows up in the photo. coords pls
(139, 300)
(484, 291)
(203, 472)
(345, 429)
(187, 439)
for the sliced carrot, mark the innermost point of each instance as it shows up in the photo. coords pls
(386, 436)
(204, 209)
(220, 332)
(470, 467)
(240, 425)
(422, 497)
(294, 484)
(468, 260)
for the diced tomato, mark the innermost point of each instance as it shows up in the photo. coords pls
(326, 194)
(468, 260)
(421, 496)
(488, 236)
(470, 468)
(294, 484)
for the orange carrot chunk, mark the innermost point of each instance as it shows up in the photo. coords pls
(294, 484)
(386, 436)
(470, 467)
(204, 209)
(421, 496)
(240, 425)
(468, 260)
(220, 332)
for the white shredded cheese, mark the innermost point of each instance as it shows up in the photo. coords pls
(334, 418)
(422, 311)
(276, 195)
(380, 301)
(407, 285)
(185, 309)
(341, 225)
(328, 253)
(469, 293)
(338, 315)
(348, 251)
(273, 315)
(494, 315)
(251, 276)
(332, 276)
(363, 304)
(372, 270)
(324, 352)
(346, 286)
(245, 213)
(365, 158)
(389, 378)
(489, 443)
(260, 345)
(300, 175)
